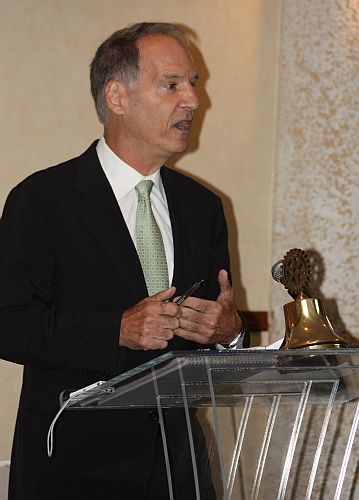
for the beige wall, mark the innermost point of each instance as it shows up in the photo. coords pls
(46, 113)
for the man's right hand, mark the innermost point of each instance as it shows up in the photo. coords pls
(150, 323)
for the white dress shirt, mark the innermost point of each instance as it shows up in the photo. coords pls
(123, 179)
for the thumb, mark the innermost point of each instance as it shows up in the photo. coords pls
(163, 295)
(224, 285)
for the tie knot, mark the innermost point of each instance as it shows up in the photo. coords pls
(144, 188)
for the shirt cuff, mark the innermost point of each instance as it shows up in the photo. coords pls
(237, 342)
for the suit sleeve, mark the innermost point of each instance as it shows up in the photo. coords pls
(219, 249)
(32, 330)
(220, 260)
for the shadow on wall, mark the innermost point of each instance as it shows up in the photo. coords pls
(330, 304)
(194, 143)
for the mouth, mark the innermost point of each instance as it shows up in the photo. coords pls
(183, 125)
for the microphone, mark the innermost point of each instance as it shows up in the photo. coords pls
(278, 273)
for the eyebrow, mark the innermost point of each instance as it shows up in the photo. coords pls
(176, 76)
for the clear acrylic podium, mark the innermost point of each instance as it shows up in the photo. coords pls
(277, 424)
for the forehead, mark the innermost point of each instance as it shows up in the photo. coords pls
(162, 53)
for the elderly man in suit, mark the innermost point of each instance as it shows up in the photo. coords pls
(92, 253)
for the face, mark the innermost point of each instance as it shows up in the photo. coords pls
(158, 109)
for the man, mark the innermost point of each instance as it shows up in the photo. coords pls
(80, 298)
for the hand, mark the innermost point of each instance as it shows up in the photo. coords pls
(150, 323)
(209, 322)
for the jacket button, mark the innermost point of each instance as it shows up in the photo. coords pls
(154, 416)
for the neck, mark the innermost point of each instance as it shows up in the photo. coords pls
(133, 156)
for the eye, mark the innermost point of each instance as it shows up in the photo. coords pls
(171, 86)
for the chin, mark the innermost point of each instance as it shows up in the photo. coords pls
(180, 147)
(175, 147)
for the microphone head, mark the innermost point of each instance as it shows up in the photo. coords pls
(278, 274)
(277, 271)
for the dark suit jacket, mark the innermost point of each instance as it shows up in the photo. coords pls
(68, 269)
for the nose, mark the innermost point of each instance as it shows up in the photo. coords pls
(190, 99)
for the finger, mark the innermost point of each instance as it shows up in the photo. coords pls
(225, 286)
(204, 328)
(201, 305)
(149, 338)
(163, 294)
(161, 321)
(194, 337)
(157, 339)
(163, 334)
(169, 309)
(154, 344)
(199, 309)
(193, 316)
(153, 310)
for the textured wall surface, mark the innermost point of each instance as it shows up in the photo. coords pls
(316, 197)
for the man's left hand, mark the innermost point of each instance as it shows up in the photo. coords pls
(208, 321)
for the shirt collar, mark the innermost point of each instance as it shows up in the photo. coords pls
(121, 176)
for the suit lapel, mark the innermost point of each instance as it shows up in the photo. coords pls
(184, 229)
(99, 210)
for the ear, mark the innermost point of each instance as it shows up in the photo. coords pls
(115, 93)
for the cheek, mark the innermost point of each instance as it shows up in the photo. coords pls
(151, 118)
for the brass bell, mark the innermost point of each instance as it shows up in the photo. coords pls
(308, 327)
(306, 324)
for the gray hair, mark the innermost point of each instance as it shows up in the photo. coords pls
(117, 58)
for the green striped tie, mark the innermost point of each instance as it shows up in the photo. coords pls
(149, 242)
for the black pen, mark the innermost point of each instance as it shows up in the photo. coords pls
(189, 292)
